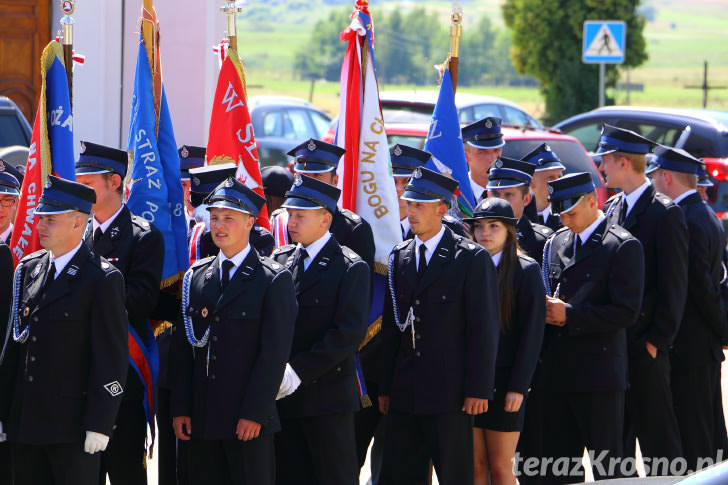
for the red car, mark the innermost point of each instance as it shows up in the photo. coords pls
(519, 142)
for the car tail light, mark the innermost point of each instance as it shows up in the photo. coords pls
(717, 168)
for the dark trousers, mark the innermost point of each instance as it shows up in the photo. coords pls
(125, 458)
(649, 410)
(530, 443)
(694, 394)
(6, 471)
(63, 464)
(233, 461)
(368, 425)
(166, 451)
(575, 420)
(412, 440)
(317, 450)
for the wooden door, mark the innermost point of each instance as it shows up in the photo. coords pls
(24, 32)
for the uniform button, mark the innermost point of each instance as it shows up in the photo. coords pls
(315, 300)
(30, 378)
(191, 309)
(217, 319)
(65, 314)
(113, 428)
(243, 314)
(214, 338)
(588, 275)
(212, 377)
(32, 358)
(564, 280)
(417, 302)
(338, 369)
(417, 336)
(33, 339)
(417, 353)
(213, 357)
(444, 297)
(417, 319)
(35, 319)
(604, 349)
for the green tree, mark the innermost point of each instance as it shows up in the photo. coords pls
(322, 55)
(546, 40)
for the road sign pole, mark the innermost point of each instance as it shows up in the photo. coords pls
(601, 84)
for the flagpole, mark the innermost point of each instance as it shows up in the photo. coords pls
(68, 6)
(231, 9)
(148, 33)
(456, 31)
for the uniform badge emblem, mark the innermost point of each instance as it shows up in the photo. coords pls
(311, 146)
(36, 271)
(417, 173)
(298, 181)
(196, 181)
(114, 232)
(488, 124)
(228, 183)
(499, 164)
(551, 190)
(83, 147)
(113, 388)
(547, 148)
(185, 153)
(2, 166)
(204, 312)
(47, 184)
(397, 150)
(72, 270)
(26, 311)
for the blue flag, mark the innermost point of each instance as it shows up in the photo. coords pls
(445, 143)
(155, 187)
(60, 121)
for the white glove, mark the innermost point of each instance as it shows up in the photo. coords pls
(290, 382)
(95, 442)
(3, 436)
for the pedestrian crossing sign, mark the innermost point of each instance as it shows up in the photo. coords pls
(604, 41)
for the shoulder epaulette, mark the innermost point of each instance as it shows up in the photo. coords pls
(527, 258)
(356, 218)
(202, 262)
(466, 243)
(270, 264)
(401, 245)
(284, 249)
(621, 233)
(350, 255)
(34, 255)
(666, 201)
(541, 229)
(141, 222)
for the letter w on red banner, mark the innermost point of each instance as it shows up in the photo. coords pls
(231, 138)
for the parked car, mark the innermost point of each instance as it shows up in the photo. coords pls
(707, 138)
(519, 142)
(15, 133)
(281, 123)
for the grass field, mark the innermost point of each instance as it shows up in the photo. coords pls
(681, 36)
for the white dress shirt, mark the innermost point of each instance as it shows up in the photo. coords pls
(62, 261)
(314, 248)
(109, 221)
(634, 196)
(430, 244)
(237, 261)
(683, 195)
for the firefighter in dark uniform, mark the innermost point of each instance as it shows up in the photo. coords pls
(660, 226)
(189, 157)
(136, 248)
(9, 190)
(65, 363)
(483, 143)
(319, 160)
(319, 392)
(595, 273)
(510, 180)
(10, 182)
(548, 167)
(438, 373)
(697, 351)
(405, 160)
(238, 312)
(204, 180)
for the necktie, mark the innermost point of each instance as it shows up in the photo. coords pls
(422, 266)
(97, 235)
(50, 277)
(302, 255)
(623, 212)
(541, 219)
(578, 244)
(227, 265)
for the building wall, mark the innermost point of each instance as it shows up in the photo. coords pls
(107, 33)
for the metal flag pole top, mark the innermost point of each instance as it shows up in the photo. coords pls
(231, 9)
(68, 6)
(456, 31)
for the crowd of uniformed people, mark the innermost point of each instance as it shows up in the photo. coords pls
(538, 326)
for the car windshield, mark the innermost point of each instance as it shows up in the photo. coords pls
(11, 131)
(570, 153)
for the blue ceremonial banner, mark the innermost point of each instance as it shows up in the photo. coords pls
(60, 122)
(155, 188)
(445, 143)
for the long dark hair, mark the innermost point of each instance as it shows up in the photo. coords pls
(506, 268)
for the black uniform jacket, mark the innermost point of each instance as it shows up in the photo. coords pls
(136, 248)
(602, 287)
(519, 346)
(67, 378)
(6, 286)
(532, 237)
(456, 328)
(703, 329)
(333, 312)
(660, 227)
(251, 327)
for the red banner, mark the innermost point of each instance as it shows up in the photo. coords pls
(231, 138)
